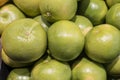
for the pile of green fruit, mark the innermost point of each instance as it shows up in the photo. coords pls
(61, 39)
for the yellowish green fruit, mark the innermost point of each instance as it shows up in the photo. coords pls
(29, 7)
(12, 63)
(83, 23)
(95, 10)
(24, 40)
(54, 10)
(19, 74)
(110, 3)
(88, 70)
(113, 67)
(103, 43)
(65, 40)
(8, 14)
(43, 22)
(51, 69)
(113, 17)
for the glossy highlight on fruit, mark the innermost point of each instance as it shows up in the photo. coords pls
(65, 40)
(86, 69)
(103, 43)
(113, 17)
(19, 74)
(24, 40)
(54, 10)
(8, 14)
(51, 69)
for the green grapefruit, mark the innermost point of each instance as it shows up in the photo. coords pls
(113, 17)
(54, 10)
(88, 70)
(51, 69)
(24, 40)
(12, 63)
(103, 43)
(65, 40)
(8, 14)
(19, 74)
(29, 7)
(83, 23)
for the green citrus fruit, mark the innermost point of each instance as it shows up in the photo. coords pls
(54, 10)
(112, 16)
(12, 63)
(113, 67)
(103, 43)
(51, 69)
(29, 7)
(65, 40)
(88, 70)
(24, 40)
(110, 3)
(83, 23)
(19, 74)
(43, 22)
(95, 10)
(8, 14)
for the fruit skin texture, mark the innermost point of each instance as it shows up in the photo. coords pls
(19, 74)
(113, 17)
(24, 40)
(8, 14)
(12, 63)
(54, 10)
(83, 23)
(95, 10)
(45, 24)
(110, 3)
(65, 40)
(51, 69)
(113, 68)
(88, 70)
(103, 43)
(29, 7)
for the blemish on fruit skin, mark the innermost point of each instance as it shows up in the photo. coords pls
(48, 13)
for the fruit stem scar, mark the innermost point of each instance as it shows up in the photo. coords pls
(48, 14)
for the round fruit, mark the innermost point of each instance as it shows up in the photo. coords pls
(88, 70)
(95, 10)
(113, 17)
(103, 43)
(8, 14)
(110, 3)
(42, 22)
(54, 10)
(51, 69)
(12, 63)
(65, 40)
(24, 40)
(19, 74)
(113, 67)
(29, 7)
(83, 23)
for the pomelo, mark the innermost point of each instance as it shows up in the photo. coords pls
(8, 14)
(51, 69)
(86, 69)
(29, 7)
(65, 40)
(54, 10)
(103, 43)
(24, 40)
